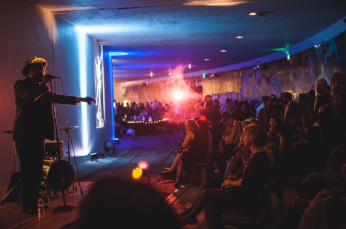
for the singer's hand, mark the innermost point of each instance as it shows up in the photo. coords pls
(89, 100)
(46, 78)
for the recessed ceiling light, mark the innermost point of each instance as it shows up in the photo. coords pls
(189, 65)
(252, 14)
(151, 74)
(239, 37)
(223, 50)
(206, 59)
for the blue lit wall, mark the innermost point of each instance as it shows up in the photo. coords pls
(74, 62)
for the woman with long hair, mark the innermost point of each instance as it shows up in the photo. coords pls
(194, 150)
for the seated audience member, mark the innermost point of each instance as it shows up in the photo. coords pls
(338, 101)
(235, 195)
(194, 150)
(120, 203)
(325, 210)
(230, 139)
(334, 175)
(266, 113)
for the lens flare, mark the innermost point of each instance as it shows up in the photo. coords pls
(178, 95)
(137, 173)
(143, 165)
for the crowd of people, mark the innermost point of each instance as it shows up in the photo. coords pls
(305, 138)
(247, 142)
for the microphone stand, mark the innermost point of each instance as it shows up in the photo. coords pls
(64, 207)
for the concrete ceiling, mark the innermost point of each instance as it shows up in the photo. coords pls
(159, 35)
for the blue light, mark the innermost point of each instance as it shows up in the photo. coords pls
(110, 72)
(117, 54)
(82, 39)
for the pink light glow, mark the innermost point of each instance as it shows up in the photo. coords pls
(143, 165)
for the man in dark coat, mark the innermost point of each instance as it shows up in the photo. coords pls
(33, 123)
(322, 123)
(290, 108)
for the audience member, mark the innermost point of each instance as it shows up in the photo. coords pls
(120, 203)
(267, 112)
(290, 108)
(194, 150)
(230, 140)
(235, 195)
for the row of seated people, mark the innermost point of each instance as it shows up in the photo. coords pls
(276, 142)
(248, 171)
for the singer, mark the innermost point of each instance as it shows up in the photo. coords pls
(33, 123)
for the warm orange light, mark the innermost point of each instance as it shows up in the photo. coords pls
(252, 14)
(239, 37)
(137, 173)
(143, 165)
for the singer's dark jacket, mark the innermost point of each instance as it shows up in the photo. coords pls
(34, 109)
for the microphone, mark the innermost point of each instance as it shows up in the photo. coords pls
(53, 77)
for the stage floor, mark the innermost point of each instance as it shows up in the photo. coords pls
(154, 149)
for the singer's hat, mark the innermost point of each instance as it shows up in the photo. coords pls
(33, 60)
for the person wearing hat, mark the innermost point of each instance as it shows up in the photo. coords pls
(230, 139)
(33, 123)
